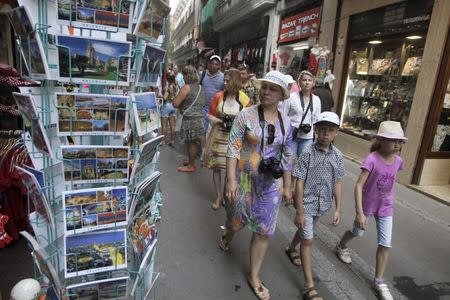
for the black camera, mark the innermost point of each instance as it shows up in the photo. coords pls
(228, 121)
(306, 128)
(271, 166)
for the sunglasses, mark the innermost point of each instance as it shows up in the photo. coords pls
(271, 131)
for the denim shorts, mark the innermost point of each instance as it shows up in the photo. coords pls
(307, 233)
(298, 145)
(168, 110)
(384, 230)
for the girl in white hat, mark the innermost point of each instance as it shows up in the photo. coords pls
(374, 196)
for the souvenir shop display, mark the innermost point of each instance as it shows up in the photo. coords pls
(381, 84)
(151, 19)
(94, 209)
(112, 15)
(145, 112)
(91, 114)
(79, 147)
(93, 61)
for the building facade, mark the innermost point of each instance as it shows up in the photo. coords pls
(183, 34)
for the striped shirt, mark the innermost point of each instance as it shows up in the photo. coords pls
(320, 171)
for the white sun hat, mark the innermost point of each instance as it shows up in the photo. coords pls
(274, 77)
(328, 116)
(391, 130)
(289, 79)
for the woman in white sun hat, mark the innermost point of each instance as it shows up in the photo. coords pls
(374, 197)
(258, 172)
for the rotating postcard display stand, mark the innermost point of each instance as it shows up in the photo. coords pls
(93, 214)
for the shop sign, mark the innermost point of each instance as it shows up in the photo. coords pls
(300, 26)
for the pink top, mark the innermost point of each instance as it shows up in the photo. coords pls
(378, 191)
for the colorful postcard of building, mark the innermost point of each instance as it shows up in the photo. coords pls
(95, 164)
(113, 288)
(151, 20)
(91, 114)
(145, 112)
(103, 15)
(96, 252)
(145, 156)
(93, 61)
(94, 209)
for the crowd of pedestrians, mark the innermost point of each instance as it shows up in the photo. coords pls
(273, 137)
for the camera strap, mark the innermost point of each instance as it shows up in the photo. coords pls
(262, 124)
(305, 112)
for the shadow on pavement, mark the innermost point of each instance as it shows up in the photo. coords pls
(411, 290)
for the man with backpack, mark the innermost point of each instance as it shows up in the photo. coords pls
(211, 82)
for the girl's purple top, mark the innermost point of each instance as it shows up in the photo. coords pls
(378, 191)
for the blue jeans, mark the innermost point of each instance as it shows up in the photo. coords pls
(168, 110)
(384, 230)
(298, 145)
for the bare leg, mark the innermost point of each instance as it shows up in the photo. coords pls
(305, 253)
(382, 258)
(192, 152)
(295, 241)
(348, 236)
(258, 247)
(172, 122)
(164, 129)
(217, 187)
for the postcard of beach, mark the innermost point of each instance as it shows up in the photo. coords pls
(150, 67)
(112, 288)
(91, 114)
(96, 252)
(151, 20)
(93, 61)
(93, 209)
(95, 164)
(27, 108)
(32, 56)
(145, 112)
(103, 15)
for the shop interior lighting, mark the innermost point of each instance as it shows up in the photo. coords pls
(414, 37)
(300, 46)
(375, 42)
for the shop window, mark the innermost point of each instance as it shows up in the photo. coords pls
(441, 141)
(381, 80)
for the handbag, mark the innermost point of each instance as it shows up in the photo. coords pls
(180, 116)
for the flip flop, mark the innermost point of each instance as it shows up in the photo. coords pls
(293, 258)
(224, 247)
(186, 169)
(261, 291)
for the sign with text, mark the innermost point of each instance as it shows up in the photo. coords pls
(299, 26)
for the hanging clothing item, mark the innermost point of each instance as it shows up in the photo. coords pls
(312, 65)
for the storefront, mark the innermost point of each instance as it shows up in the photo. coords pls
(298, 33)
(390, 54)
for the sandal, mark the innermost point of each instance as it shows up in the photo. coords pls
(309, 294)
(261, 291)
(293, 257)
(215, 206)
(222, 245)
(186, 169)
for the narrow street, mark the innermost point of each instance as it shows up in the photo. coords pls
(191, 265)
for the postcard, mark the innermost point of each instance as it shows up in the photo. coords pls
(41, 203)
(145, 155)
(95, 252)
(143, 232)
(93, 209)
(38, 174)
(93, 61)
(151, 19)
(91, 114)
(109, 15)
(145, 112)
(33, 57)
(143, 195)
(145, 272)
(150, 68)
(33, 123)
(43, 262)
(95, 164)
(112, 288)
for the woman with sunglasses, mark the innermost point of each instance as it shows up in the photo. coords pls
(258, 173)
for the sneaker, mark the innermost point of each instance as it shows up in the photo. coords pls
(343, 254)
(382, 291)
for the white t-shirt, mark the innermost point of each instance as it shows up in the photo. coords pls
(292, 107)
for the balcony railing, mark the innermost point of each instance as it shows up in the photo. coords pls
(230, 12)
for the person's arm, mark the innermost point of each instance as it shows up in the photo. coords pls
(212, 113)
(286, 164)
(184, 91)
(230, 180)
(300, 214)
(337, 200)
(360, 217)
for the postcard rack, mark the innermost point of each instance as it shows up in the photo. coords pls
(94, 215)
